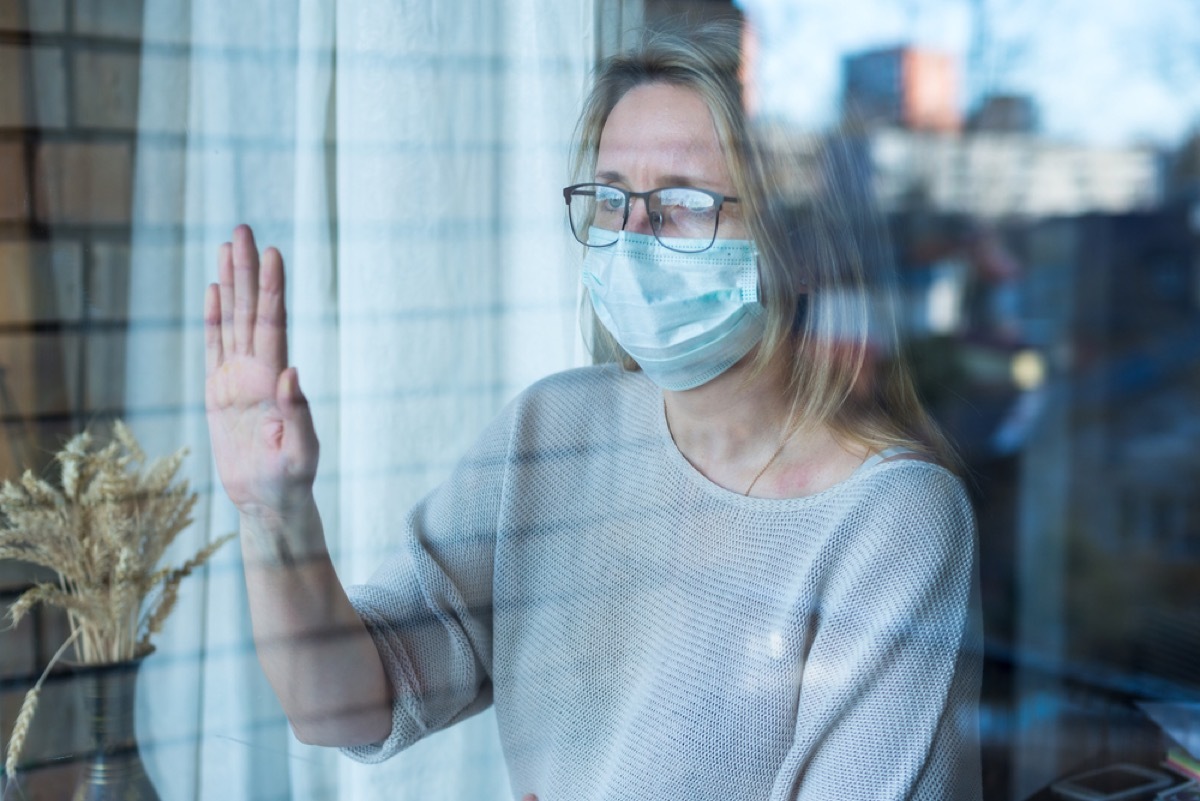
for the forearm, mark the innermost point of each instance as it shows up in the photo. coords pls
(313, 646)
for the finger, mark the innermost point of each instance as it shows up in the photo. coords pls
(213, 355)
(270, 330)
(529, 797)
(225, 277)
(245, 288)
(301, 445)
(288, 397)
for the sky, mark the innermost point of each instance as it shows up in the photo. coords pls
(1103, 72)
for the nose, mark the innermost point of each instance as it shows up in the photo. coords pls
(639, 217)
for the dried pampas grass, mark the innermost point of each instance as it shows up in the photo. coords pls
(103, 530)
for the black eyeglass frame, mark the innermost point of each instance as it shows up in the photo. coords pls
(656, 219)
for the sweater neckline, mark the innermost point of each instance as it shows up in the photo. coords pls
(688, 472)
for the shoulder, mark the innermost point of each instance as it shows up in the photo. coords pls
(917, 493)
(907, 504)
(907, 523)
(586, 391)
(908, 480)
(582, 403)
(606, 379)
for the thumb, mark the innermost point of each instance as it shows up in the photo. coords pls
(293, 406)
(288, 397)
(301, 443)
(529, 797)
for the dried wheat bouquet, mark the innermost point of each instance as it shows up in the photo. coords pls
(103, 530)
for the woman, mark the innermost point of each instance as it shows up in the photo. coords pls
(730, 567)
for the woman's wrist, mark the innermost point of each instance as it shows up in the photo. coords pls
(283, 535)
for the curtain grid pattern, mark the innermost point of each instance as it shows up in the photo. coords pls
(406, 158)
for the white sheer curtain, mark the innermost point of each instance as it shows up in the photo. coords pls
(406, 158)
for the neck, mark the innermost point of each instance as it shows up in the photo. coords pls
(738, 433)
(729, 427)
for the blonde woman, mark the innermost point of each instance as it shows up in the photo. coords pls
(732, 565)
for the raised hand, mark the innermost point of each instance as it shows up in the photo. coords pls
(259, 422)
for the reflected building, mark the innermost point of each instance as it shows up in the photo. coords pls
(1005, 113)
(905, 102)
(1003, 174)
(1012, 243)
(907, 87)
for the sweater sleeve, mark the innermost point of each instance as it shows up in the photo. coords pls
(429, 605)
(887, 706)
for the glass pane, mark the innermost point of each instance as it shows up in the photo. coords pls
(1051, 330)
(1028, 172)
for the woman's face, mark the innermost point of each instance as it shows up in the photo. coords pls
(659, 135)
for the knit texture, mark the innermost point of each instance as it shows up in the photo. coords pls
(647, 634)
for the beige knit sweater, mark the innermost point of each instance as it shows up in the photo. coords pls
(646, 634)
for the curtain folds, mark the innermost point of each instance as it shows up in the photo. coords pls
(406, 157)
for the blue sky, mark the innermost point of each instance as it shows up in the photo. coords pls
(1102, 71)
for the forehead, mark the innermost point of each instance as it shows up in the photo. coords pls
(660, 130)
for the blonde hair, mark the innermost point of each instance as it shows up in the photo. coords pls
(825, 272)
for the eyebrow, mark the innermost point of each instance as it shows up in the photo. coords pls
(671, 180)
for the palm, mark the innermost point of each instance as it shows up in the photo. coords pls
(240, 397)
(262, 435)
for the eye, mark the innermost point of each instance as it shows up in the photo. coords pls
(609, 200)
(689, 201)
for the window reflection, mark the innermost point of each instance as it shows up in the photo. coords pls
(1049, 279)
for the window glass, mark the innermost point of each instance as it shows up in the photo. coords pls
(1017, 187)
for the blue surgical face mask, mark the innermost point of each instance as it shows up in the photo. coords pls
(685, 318)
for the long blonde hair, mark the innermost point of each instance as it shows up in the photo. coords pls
(825, 268)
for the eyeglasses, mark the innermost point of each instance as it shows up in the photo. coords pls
(684, 219)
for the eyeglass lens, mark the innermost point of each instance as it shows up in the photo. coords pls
(686, 218)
